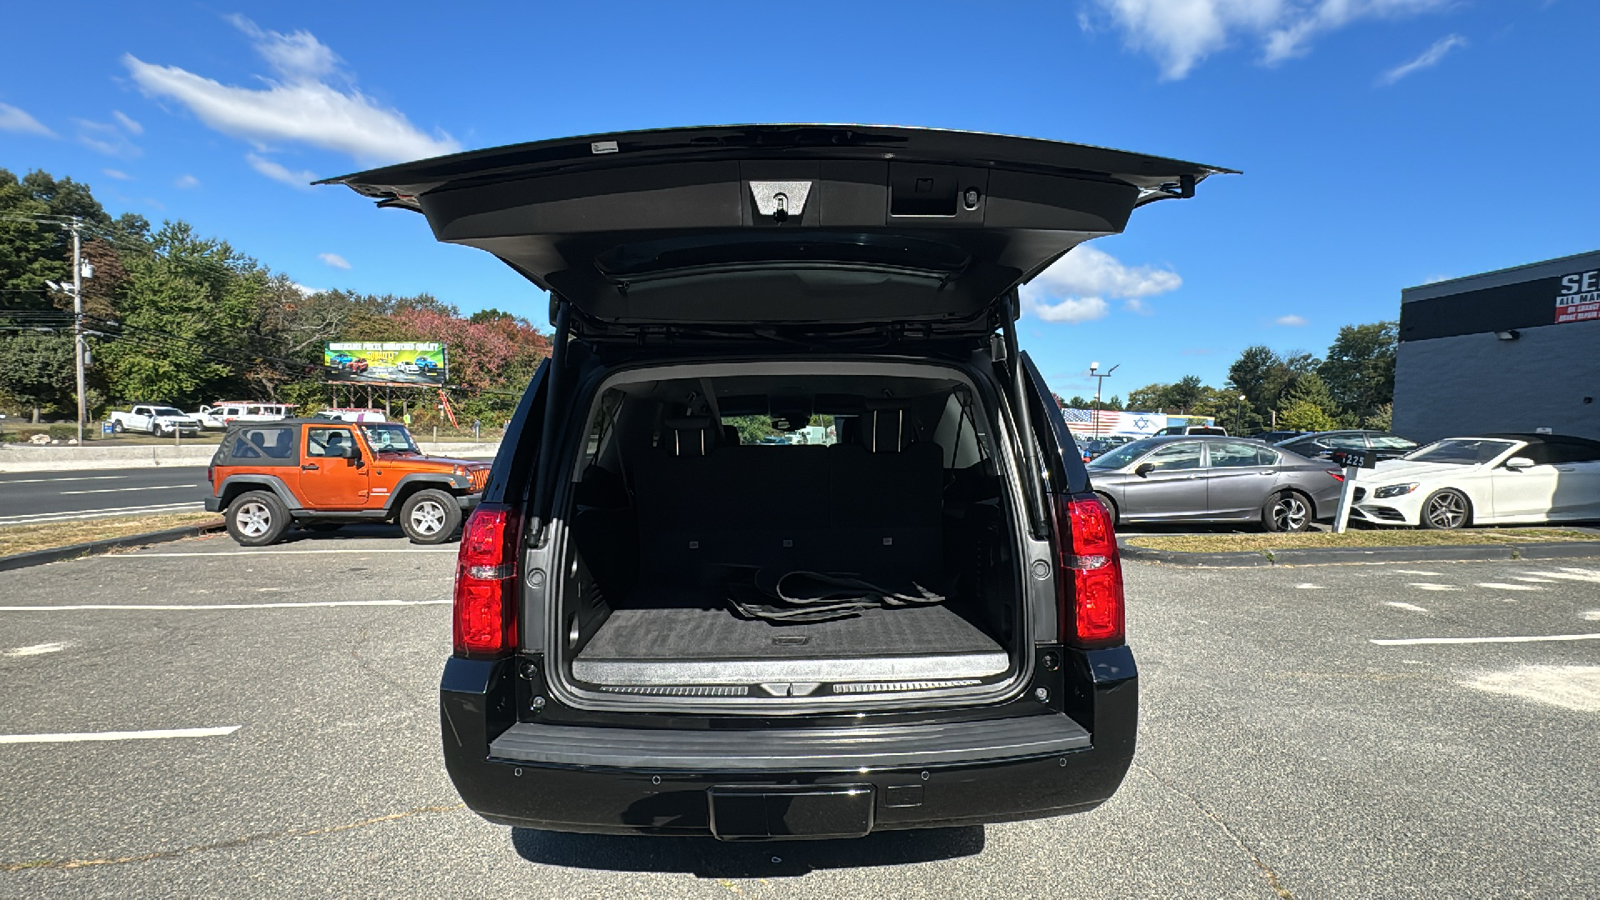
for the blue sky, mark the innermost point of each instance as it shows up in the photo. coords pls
(1384, 143)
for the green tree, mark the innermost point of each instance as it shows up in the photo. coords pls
(1301, 415)
(37, 371)
(185, 316)
(751, 428)
(1263, 375)
(1359, 368)
(1381, 420)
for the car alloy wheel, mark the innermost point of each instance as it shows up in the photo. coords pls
(254, 519)
(427, 517)
(1446, 510)
(1289, 513)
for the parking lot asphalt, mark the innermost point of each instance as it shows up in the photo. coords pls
(1326, 731)
(35, 497)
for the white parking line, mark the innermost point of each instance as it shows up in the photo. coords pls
(281, 552)
(1410, 607)
(1515, 639)
(80, 607)
(54, 480)
(1571, 574)
(1429, 586)
(36, 649)
(1418, 572)
(1502, 586)
(153, 487)
(39, 518)
(1308, 586)
(79, 736)
(1534, 578)
(1592, 615)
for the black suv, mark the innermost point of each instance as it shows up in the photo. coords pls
(909, 613)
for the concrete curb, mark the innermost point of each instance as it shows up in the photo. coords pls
(56, 554)
(26, 458)
(1335, 555)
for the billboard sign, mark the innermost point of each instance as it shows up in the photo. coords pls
(1579, 300)
(386, 362)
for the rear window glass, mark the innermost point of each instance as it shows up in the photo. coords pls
(780, 247)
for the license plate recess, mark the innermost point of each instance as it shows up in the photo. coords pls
(788, 812)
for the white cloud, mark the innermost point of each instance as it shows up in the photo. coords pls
(103, 137)
(118, 174)
(278, 172)
(127, 123)
(186, 181)
(1430, 57)
(334, 260)
(1182, 33)
(19, 122)
(1072, 309)
(304, 291)
(312, 100)
(1075, 288)
(1289, 321)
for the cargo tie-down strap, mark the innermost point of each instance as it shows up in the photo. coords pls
(796, 597)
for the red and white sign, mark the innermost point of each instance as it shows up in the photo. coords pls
(1579, 300)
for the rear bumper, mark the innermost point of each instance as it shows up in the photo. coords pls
(786, 782)
(213, 504)
(469, 501)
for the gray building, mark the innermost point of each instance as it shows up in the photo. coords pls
(1515, 350)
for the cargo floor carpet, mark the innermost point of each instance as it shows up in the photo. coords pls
(686, 645)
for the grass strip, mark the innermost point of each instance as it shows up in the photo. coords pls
(1246, 543)
(16, 539)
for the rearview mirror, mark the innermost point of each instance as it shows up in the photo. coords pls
(1144, 469)
(1518, 463)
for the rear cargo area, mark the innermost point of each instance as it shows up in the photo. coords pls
(783, 535)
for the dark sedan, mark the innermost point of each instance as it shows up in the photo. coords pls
(1322, 443)
(1201, 478)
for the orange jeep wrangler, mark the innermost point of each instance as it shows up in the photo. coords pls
(320, 474)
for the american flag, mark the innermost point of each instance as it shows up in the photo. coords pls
(1084, 421)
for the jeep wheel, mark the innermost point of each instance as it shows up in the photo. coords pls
(257, 519)
(430, 516)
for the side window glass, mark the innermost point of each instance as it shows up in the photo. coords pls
(1392, 442)
(1346, 442)
(327, 441)
(1229, 455)
(1185, 455)
(245, 448)
(1265, 457)
(1541, 454)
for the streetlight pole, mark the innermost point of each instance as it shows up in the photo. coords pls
(1239, 415)
(77, 320)
(1094, 372)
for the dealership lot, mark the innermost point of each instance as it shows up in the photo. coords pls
(197, 718)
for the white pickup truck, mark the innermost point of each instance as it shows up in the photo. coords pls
(161, 421)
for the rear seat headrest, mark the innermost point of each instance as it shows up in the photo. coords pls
(888, 431)
(689, 435)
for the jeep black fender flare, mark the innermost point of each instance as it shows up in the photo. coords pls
(416, 481)
(234, 485)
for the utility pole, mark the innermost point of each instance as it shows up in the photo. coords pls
(77, 320)
(1094, 372)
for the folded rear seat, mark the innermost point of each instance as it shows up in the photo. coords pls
(840, 509)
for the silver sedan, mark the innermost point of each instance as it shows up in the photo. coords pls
(1194, 478)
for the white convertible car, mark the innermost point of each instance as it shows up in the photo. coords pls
(1489, 480)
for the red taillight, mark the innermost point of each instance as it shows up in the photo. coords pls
(486, 569)
(211, 474)
(1089, 573)
(1337, 474)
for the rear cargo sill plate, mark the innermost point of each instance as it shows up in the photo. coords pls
(791, 749)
